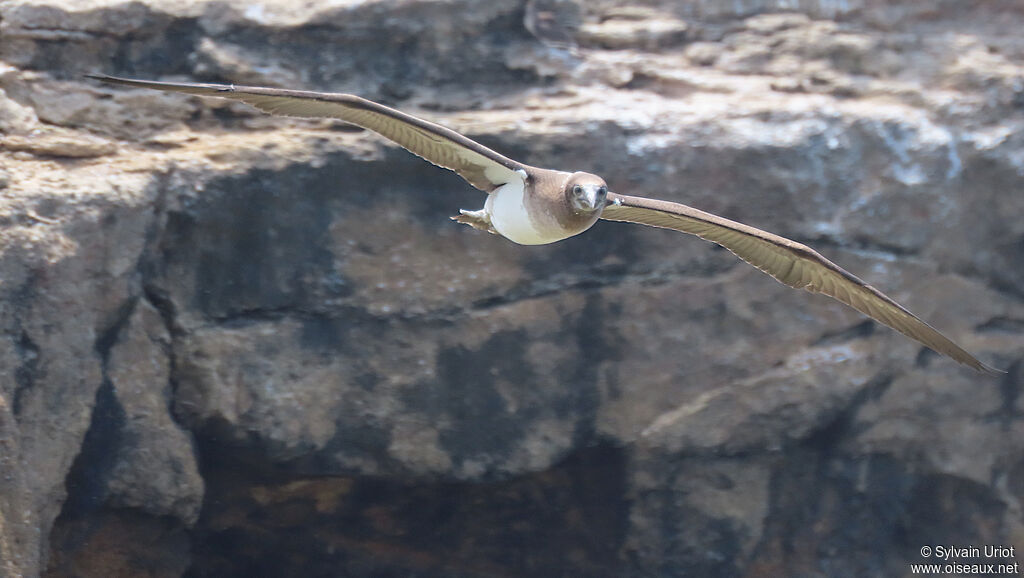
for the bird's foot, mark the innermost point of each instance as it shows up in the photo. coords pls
(476, 219)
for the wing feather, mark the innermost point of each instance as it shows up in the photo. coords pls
(791, 263)
(480, 166)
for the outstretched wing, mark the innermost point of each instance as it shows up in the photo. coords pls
(790, 262)
(479, 165)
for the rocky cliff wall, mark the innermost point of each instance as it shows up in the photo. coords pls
(239, 345)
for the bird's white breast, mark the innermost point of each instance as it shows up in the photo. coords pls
(506, 206)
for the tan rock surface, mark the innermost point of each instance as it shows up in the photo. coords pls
(232, 343)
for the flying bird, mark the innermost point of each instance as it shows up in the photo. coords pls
(534, 206)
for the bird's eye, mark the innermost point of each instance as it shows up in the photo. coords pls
(603, 191)
(577, 189)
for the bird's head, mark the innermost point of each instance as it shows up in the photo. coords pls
(586, 193)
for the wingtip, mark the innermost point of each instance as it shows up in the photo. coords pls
(989, 371)
(105, 78)
(116, 79)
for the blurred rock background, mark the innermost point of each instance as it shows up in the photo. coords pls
(237, 345)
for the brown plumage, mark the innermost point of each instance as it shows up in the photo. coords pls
(791, 263)
(530, 205)
(435, 143)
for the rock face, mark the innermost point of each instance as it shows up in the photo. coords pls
(239, 345)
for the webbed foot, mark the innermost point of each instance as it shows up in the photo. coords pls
(476, 219)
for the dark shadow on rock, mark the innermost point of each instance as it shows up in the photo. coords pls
(867, 516)
(113, 542)
(567, 521)
(87, 481)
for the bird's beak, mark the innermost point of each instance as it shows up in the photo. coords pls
(593, 198)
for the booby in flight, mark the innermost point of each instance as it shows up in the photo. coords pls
(534, 206)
